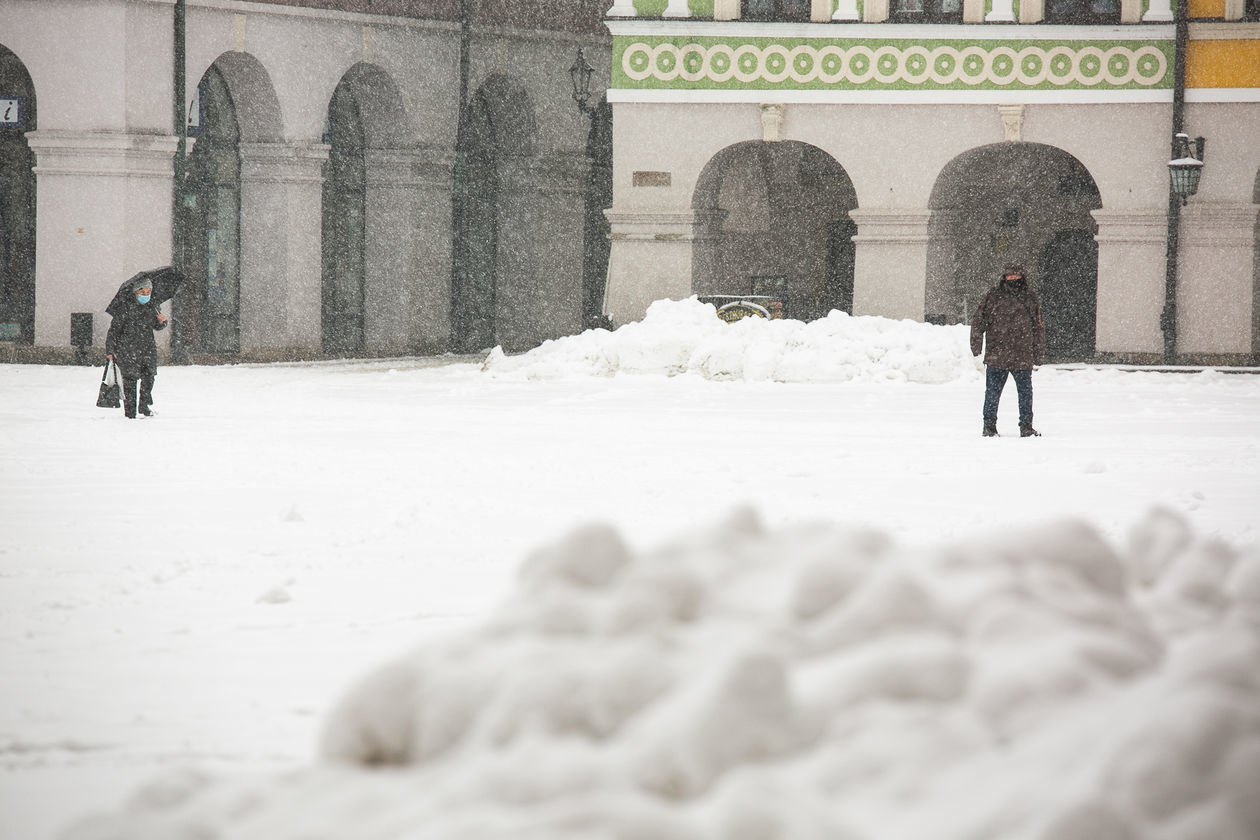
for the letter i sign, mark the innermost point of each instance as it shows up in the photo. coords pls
(10, 111)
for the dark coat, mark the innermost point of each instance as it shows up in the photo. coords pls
(130, 337)
(1009, 324)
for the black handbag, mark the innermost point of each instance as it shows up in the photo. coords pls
(110, 395)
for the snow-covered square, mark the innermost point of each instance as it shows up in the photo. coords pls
(686, 579)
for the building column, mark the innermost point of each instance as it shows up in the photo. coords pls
(281, 261)
(103, 213)
(651, 259)
(890, 271)
(1132, 247)
(432, 172)
(1215, 285)
(391, 293)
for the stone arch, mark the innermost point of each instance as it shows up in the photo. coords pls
(253, 96)
(207, 309)
(773, 218)
(494, 217)
(18, 115)
(362, 224)
(1024, 203)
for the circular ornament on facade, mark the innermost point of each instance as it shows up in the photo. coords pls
(777, 63)
(1032, 66)
(1149, 65)
(636, 62)
(887, 65)
(721, 61)
(861, 64)
(973, 66)
(1061, 65)
(916, 64)
(1003, 64)
(1089, 65)
(830, 64)
(1119, 64)
(804, 61)
(944, 65)
(665, 62)
(693, 63)
(747, 63)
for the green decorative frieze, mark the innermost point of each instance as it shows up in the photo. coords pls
(700, 63)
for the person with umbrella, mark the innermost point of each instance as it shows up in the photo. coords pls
(130, 343)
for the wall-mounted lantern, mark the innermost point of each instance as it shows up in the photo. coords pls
(1186, 169)
(581, 73)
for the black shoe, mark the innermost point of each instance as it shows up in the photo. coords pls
(148, 412)
(989, 430)
(1028, 431)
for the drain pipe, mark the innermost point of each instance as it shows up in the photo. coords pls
(459, 175)
(179, 352)
(1168, 318)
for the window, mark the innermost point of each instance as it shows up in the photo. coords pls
(925, 11)
(1082, 11)
(775, 9)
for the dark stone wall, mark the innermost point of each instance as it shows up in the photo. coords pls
(578, 16)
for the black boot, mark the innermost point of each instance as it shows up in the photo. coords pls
(990, 430)
(1028, 431)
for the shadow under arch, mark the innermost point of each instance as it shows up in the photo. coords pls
(18, 115)
(498, 138)
(773, 218)
(1016, 202)
(365, 113)
(236, 104)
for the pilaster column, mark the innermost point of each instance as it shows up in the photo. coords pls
(281, 230)
(432, 174)
(651, 258)
(1159, 11)
(890, 272)
(539, 261)
(1003, 11)
(847, 10)
(103, 213)
(1131, 252)
(677, 9)
(391, 198)
(1216, 304)
(622, 8)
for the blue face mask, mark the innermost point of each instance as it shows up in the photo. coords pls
(142, 298)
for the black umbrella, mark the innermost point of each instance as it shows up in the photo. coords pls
(165, 282)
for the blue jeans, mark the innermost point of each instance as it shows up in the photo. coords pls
(995, 381)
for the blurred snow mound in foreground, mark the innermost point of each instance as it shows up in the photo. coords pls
(686, 336)
(808, 682)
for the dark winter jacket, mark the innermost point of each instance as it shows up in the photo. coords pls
(1008, 323)
(130, 337)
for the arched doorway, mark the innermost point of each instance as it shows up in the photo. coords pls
(207, 309)
(599, 191)
(774, 220)
(344, 225)
(498, 140)
(1024, 203)
(369, 212)
(17, 201)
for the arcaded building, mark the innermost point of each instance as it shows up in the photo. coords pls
(888, 157)
(332, 197)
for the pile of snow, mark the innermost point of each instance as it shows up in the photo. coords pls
(810, 682)
(686, 336)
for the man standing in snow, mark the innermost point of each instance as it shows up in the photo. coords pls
(1008, 324)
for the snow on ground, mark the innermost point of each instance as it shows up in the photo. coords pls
(810, 608)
